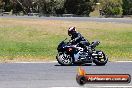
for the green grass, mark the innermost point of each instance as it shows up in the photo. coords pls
(36, 40)
(118, 45)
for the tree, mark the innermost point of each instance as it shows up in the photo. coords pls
(1, 5)
(18, 6)
(51, 6)
(127, 7)
(59, 6)
(7, 5)
(79, 7)
(111, 7)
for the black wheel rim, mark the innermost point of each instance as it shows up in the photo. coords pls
(65, 59)
(102, 57)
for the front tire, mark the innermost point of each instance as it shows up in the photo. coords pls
(101, 60)
(64, 59)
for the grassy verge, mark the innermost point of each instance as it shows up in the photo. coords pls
(36, 40)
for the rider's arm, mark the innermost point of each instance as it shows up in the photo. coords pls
(78, 37)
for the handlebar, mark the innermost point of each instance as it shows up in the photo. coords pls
(69, 42)
(65, 39)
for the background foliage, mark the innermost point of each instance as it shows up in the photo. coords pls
(77, 7)
(127, 7)
(111, 7)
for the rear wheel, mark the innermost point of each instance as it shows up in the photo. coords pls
(64, 59)
(101, 59)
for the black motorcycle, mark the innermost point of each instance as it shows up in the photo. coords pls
(69, 54)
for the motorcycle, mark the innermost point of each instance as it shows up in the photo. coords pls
(69, 54)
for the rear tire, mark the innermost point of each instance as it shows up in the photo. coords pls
(64, 59)
(98, 61)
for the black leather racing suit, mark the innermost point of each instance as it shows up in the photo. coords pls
(78, 38)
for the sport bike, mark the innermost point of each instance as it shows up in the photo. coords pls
(69, 54)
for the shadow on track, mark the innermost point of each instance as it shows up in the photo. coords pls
(78, 65)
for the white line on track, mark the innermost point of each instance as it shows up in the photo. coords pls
(56, 62)
(65, 87)
(36, 62)
(113, 86)
(123, 61)
(97, 87)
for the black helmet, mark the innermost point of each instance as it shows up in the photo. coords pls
(71, 31)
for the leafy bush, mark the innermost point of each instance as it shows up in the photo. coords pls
(79, 7)
(111, 7)
(127, 7)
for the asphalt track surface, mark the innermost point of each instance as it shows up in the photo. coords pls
(95, 19)
(43, 75)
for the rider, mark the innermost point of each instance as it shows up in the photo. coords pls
(77, 38)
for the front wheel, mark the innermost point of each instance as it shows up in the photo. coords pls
(64, 59)
(101, 59)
